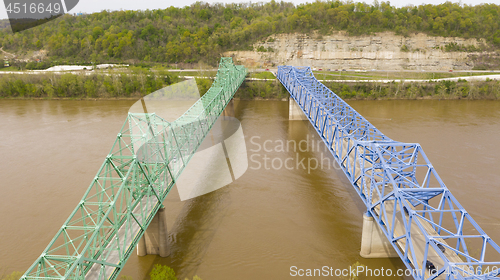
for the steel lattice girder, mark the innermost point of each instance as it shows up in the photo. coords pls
(401, 189)
(147, 157)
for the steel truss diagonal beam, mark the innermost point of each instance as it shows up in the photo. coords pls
(401, 189)
(147, 157)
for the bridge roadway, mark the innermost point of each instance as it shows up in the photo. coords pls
(147, 157)
(402, 191)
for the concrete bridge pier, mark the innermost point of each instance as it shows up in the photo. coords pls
(155, 240)
(229, 111)
(374, 243)
(294, 111)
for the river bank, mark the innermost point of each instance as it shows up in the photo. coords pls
(126, 86)
(461, 89)
(83, 86)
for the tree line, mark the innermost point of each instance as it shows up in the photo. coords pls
(202, 31)
(462, 89)
(69, 85)
(139, 84)
(376, 90)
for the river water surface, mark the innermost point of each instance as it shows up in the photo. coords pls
(272, 218)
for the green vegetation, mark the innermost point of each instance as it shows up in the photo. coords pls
(143, 82)
(159, 272)
(423, 90)
(263, 49)
(262, 75)
(210, 74)
(405, 48)
(139, 83)
(393, 75)
(261, 90)
(12, 276)
(163, 272)
(201, 32)
(454, 47)
(431, 90)
(203, 85)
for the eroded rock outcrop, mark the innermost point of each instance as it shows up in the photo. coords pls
(379, 51)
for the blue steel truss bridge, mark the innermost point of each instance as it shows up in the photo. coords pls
(430, 231)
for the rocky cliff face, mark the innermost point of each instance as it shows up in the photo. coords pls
(379, 51)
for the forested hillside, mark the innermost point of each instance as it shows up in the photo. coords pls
(201, 32)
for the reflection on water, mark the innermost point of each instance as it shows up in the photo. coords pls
(263, 223)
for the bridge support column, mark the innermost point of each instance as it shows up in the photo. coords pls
(374, 243)
(141, 246)
(294, 111)
(155, 240)
(229, 111)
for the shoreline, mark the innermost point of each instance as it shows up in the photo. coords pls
(72, 98)
(73, 87)
(248, 99)
(133, 87)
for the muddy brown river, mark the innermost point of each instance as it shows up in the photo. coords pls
(274, 217)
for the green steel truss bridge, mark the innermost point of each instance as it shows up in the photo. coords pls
(147, 157)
